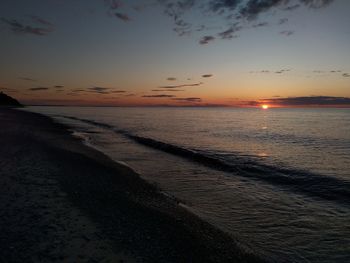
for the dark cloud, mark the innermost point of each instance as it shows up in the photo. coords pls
(38, 88)
(283, 21)
(40, 20)
(171, 78)
(223, 5)
(335, 71)
(262, 24)
(167, 90)
(78, 90)
(230, 32)
(346, 75)
(34, 29)
(158, 96)
(176, 9)
(316, 3)
(103, 90)
(308, 101)
(291, 7)
(118, 91)
(114, 7)
(114, 4)
(191, 99)
(98, 89)
(182, 28)
(233, 13)
(254, 7)
(206, 39)
(207, 75)
(282, 71)
(72, 94)
(287, 33)
(181, 86)
(123, 17)
(27, 79)
(59, 86)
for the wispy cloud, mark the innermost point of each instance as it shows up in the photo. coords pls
(104, 90)
(181, 86)
(266, 71)
(346, 75)
(114, 4)
(311, 101)
(254, 8)
(98, 89)
(167, 90)
(287, 33)
(118, 91)
(230, 32)
(283, 21)
(27, 79)
(206, 39)
(234, 13)
(171, 79)
(291, 7)
(282, 71)
(158, 96)
(38, 89)
(78, 90)
(123, 17)
(40, 20)
(115, 8)
(316, 3)
(36, 26)
(262, 24)
(190, 99)
(207, 75)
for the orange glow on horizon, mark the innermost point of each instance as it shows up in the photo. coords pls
(264, 106)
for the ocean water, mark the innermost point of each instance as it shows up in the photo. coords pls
(277, 180)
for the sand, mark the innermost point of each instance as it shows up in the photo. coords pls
(61, 201)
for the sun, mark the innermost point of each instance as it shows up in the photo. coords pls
(264, 106)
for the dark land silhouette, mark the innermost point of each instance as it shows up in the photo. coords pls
(6, 100)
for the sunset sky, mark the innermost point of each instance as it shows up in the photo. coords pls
(185, 53)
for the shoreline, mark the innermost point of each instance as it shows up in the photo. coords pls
(52, 180)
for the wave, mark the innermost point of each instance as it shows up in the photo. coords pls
(304, 182)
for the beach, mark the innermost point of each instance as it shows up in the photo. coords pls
(62, 201)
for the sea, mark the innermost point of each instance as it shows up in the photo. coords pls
(277, 180)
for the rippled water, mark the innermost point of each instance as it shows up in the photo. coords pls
(278, 180)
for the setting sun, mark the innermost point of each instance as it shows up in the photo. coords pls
(265, 107)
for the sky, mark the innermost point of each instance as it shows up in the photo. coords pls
(243, 53)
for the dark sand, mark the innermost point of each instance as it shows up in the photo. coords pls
(61, 201)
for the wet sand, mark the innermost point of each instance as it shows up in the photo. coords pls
(62, 201)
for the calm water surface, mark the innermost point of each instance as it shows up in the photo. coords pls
(277, 180)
